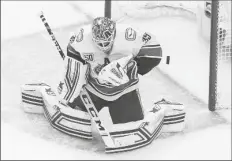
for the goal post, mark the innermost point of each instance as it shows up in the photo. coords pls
(220, 56)
(213, 56)
(107, 8)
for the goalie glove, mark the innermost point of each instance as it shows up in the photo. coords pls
(115, 73)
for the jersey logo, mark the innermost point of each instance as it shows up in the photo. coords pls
(88, 56)
(130, 34)
(146, 37)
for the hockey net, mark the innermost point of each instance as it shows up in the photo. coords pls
(220, 63)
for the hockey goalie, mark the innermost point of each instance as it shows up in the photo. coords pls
(102, 65)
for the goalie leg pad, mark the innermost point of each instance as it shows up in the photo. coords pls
(137, 134)
(40, 98)
(174, 119)
(32, 101)
(65, 119)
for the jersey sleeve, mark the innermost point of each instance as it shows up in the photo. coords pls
(149, 55)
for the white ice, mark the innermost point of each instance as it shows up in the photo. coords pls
(212, 143)
(33, 58)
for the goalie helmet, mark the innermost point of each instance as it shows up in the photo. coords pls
(103, 33)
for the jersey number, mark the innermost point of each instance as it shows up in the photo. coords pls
(146, 37)
(88, 56)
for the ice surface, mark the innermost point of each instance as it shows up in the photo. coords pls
(19, 145)
(33, 58)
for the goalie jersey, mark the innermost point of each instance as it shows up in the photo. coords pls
(84, 61)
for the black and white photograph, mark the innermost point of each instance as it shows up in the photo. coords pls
(116, 80)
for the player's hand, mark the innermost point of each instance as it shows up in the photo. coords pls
(114, 74)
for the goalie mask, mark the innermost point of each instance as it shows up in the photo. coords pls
(103, 32)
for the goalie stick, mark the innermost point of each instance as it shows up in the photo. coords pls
(52, 35)
(84, 96)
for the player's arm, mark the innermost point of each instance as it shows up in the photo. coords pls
(150, 54)
(75, 75)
